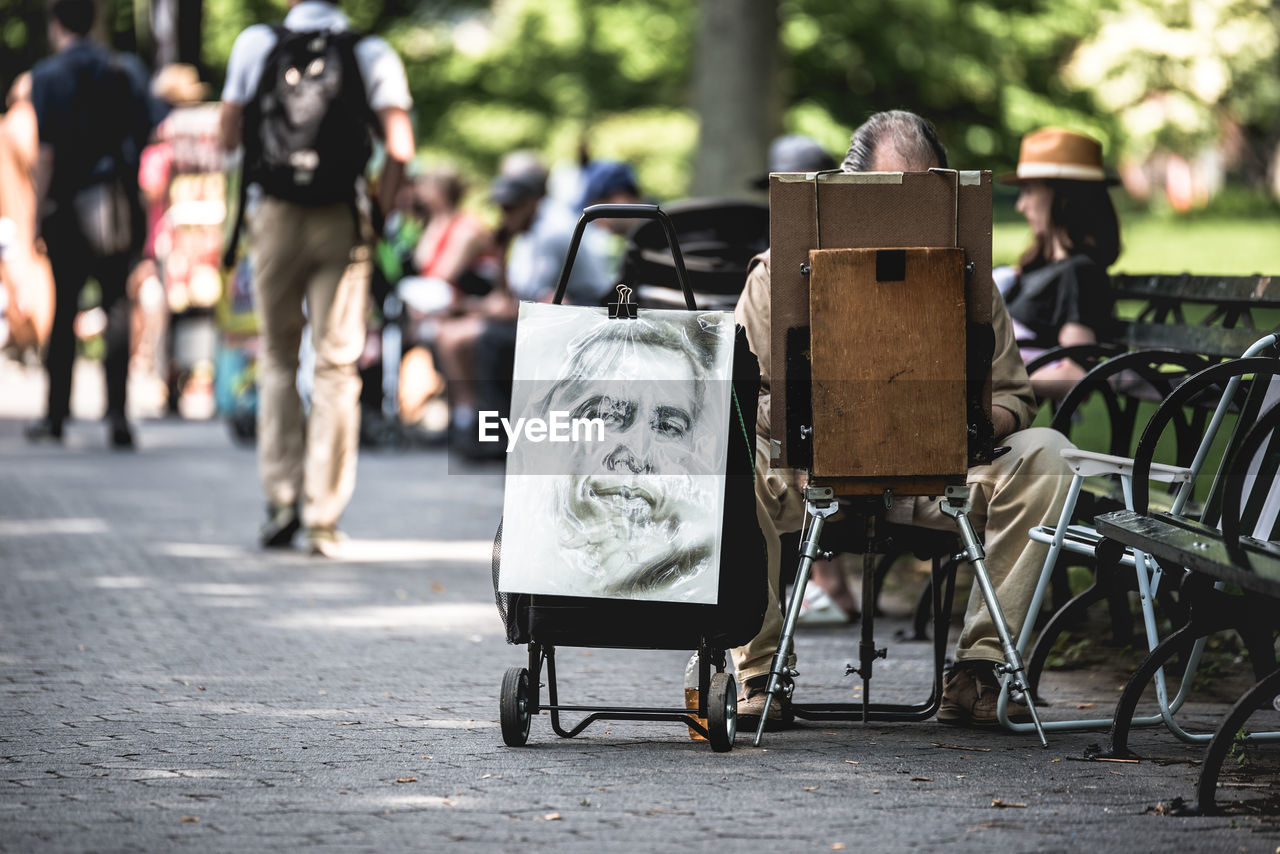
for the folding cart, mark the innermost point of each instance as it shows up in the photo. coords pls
(544, 622)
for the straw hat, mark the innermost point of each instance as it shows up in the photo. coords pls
(179, 83)
(1057, 154)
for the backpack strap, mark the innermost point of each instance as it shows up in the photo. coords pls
(242, 197)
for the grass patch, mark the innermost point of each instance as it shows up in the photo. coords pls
(1238, 246)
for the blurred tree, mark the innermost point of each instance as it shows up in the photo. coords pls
(736, 94)
(1187, 75)
(555, 76)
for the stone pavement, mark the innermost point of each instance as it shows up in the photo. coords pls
(166, 686)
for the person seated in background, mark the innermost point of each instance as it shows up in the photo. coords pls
(794, 152)
(455, 264)
(517, 191)
(455, 242)
(607, 182)
(1060, 295)
(535, 236)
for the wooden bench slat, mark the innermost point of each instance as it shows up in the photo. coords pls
(1209, 340)
(1218, 290)
(1200, 548)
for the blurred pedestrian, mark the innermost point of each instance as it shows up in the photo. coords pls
(1060, 294)
(94, 117)
(176, 86)
(795, 152)
(305, 99)
(26, 281)
(456, 265)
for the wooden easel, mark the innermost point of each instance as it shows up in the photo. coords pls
(887, 357)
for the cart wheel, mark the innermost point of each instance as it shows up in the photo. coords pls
(722, 712)
(514, 707)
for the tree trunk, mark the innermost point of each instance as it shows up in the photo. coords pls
(735, 94)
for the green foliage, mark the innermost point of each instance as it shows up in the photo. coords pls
(555, 76)
(985, 71)
(1239, 747)
(560, 75)
(1177, 73)
(1068, 653)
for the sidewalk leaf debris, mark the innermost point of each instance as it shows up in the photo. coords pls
(1007, 804)
(406, 779)
(961, 747)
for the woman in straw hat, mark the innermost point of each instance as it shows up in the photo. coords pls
(1060, 294)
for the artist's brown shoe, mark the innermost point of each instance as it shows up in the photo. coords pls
(970, 695)
(751, 706)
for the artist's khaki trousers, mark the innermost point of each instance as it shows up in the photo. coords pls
(316, 254)
(1018, 491)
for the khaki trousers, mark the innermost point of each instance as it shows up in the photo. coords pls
(1018, 491)
(314, 254)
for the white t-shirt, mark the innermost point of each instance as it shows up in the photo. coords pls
(538, 256)
(383, 72)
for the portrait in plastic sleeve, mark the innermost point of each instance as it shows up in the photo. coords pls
(638, 514)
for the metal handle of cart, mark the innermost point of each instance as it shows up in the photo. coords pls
(595, 212)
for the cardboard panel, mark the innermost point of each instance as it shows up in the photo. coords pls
(888, 347)
(870, 210)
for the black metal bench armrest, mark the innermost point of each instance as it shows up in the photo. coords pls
(1143, 362)
(1196, 385)
(1085, 355)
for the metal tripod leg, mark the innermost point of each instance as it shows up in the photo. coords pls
(956, 505)
(819, 503)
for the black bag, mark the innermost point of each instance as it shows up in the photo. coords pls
(308, 129)
(106, 204)
(104, 214)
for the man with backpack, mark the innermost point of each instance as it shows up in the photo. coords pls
(304, 99)
(94, 116)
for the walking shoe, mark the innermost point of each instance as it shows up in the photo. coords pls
(325, 541)
(970, 694)
(751, 705)
(44, 430)
(119, 434)
(282, 523)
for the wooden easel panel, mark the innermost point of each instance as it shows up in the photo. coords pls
(888, 351)
(846, 487)
(816, 210)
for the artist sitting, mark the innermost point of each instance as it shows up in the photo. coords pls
(1019, 490)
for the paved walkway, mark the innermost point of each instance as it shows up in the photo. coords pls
(165, 685)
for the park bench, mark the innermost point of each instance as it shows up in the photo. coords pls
(1242, 551)
(1180, 324)
(1222, 385)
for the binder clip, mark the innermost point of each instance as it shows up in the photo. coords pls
(624, 308)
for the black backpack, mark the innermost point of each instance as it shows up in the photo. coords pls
(308, 130)
(101, 131)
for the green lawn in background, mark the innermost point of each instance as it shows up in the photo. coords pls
(1223, 245)
(1156, 244)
